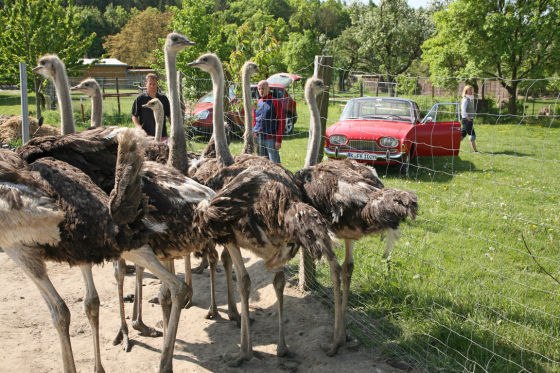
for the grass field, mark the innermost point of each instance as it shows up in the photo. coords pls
(462, 293)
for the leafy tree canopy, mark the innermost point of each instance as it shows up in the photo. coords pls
(509, 40)
(32, 28)
(136, 42)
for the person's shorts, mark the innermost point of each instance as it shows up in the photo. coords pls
(468, 129)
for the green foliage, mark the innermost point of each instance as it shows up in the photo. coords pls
(406, 85)
(103, 24)
(510, 40)
(33, 28)
(135, 43)
(299, 52)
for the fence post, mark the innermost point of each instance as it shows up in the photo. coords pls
(323, 70)
(118, 96)
(24, 103)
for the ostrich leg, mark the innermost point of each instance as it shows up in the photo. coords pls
(36, 270)
(91, 307)
(180, 294)
(188, 275)
(119, 268)
(233, 313)
(137, 322)
(212, 256)
(279, 283)
(244, 287)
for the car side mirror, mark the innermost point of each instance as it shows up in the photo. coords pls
(428, 119)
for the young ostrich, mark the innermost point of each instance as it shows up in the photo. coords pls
(351, 198)
(48, 208)
(276, 225)
(91, 88)
(53, 68)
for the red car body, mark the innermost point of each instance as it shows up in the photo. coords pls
(233, 108)
(388, 130)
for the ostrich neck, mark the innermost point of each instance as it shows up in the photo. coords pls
(248, 144)
(96, 110)
(177, 141)
(223, 155)
(159, 117)
(64, 102)
(314, 132)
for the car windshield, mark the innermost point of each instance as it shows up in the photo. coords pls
(377, 108)
(209, 97)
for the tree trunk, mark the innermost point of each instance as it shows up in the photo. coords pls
(512, 90)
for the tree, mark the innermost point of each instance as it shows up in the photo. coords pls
(137, 40)
(391, 36)
(36, 27)
(103, 24)
(508, 40)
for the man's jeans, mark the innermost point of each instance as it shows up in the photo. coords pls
(266, 147)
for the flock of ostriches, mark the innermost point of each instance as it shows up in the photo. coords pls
(151, 203)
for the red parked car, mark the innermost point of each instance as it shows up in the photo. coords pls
(388, 130)
(234, 114)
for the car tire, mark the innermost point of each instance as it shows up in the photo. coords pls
(290, 124)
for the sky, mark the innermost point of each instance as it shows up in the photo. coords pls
(418, 3)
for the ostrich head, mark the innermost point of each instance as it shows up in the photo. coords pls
(175, 42)
(313, 86)
(87, 86)
(250, 68)
(48, 65)
(154, 104)
(208, 62)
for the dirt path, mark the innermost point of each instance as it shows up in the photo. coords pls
(30, 343)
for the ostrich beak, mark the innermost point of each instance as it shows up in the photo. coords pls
(36, 69)
(75, 88)
(194, 63)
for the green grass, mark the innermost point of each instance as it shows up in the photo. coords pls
(462, 293)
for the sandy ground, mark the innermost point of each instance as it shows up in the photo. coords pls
(29, 342)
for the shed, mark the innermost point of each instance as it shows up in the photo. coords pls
(105, 68)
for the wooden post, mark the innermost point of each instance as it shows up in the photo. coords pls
(323, 70)
(24, 102)
(118, 96)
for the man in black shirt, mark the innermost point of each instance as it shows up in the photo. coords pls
(144, 117)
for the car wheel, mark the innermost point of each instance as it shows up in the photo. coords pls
(290, 124)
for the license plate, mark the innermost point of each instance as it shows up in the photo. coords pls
(362, 156)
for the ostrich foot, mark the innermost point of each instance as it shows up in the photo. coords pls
(330, 348)
(212, 314)
(284, 351)
(122, 338)
(235, 360)
(145, 330)
(237, 318)
(189, 304)
(200, 268)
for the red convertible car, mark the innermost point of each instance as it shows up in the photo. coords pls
(388, 130)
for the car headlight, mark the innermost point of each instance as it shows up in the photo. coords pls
(338, 140)
(388, 142)
(203, 114)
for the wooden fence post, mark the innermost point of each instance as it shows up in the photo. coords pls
(24, 102)
(323, 70)
(118, 96)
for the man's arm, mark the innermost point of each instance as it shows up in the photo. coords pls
(135, 115)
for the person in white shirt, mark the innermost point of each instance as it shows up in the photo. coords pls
(467, 116)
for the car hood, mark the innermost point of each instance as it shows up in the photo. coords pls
(201, 106)
(283, 79)
(360, 129)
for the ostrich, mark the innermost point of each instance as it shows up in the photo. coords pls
(276, 225)
(48, 209)
(52, 67)
(351, 198)
(249, 68)
(91, 88)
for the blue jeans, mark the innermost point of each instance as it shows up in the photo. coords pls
(266, 147)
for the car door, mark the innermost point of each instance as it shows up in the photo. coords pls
(439, 133)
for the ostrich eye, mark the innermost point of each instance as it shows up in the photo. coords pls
(175, 38)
